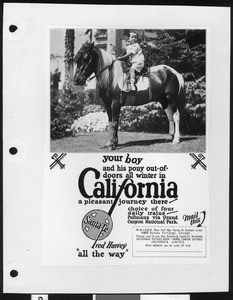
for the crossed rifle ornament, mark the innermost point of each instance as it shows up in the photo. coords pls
(199, 160)
(57, 160)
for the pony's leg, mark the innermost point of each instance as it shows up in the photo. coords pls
(109, 112)
(113, 125)
(169, 113)
(176, 118)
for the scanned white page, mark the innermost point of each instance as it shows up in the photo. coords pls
(115, 183)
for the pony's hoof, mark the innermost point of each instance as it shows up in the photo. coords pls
(171, 136)
(111, 147)
(175, 142)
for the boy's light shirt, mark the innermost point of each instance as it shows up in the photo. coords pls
(138, 57)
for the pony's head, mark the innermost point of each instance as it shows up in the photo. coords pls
(85, 63)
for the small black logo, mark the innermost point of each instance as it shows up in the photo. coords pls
(57, 160)
(199, 160)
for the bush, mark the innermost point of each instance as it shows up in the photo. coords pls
(92, 122)
(149, 118)
(59, 128)
(195, 91)
(195, 118)
(184, 50)
(66, 106)
(92, 108)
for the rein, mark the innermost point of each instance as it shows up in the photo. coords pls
(101, 71)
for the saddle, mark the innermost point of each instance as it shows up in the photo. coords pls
(141, 78)
(142, 94)
(144, 72)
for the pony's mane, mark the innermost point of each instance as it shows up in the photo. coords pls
(112, 76)
(105, 58)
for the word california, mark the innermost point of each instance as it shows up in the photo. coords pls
(108, 188)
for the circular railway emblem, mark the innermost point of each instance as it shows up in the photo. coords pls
(97, 224)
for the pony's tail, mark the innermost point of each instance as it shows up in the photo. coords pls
(180, 79)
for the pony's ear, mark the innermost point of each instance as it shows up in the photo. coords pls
(92, 45)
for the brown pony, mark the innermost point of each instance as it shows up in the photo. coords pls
(165, 86)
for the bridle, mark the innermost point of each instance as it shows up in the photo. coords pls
(85, 76)
(83, 72)
(109, 66)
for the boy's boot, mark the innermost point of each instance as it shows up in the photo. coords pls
(132, 82)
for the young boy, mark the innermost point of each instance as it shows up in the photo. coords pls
(134, 52)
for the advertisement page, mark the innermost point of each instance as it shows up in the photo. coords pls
(126, 182)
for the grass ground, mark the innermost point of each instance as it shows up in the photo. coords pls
(129, 142)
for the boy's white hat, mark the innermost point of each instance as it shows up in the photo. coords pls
(133, 34)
